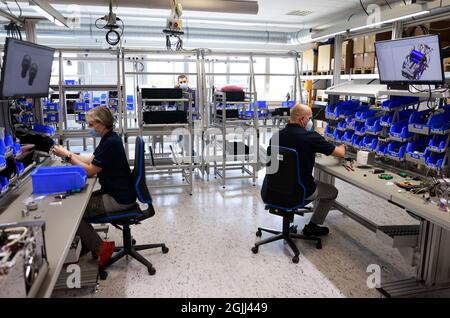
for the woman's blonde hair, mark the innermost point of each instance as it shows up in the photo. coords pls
(102, 115)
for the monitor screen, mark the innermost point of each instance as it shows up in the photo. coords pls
(26, 69)
(415, 60)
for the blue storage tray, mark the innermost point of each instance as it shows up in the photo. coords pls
(369, 143)
(262, 104)
(337, 134)
(52, 118)
(80, 117)
(19, 168)
(373, 126)
(2, 147)
(51, 107)
(356, 141)
(438, 143)
(80, 106)
(440, 123)
(364, 114)
(360, 129)
(328, 132)
(49, 180)
(436, 161)
(342, 125)
(399, 131)
(398, 101)
(382, 148)
(396, 150)
(418, 122)
(347, 137)
(416, 151)
(4, 183)
(9, 143)
(386, 120)
(289, 103)
(17, 149)
(345, 108)
(48, 130)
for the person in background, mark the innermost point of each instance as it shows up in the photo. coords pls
(110, 164)
(182, 82)
(298, 135)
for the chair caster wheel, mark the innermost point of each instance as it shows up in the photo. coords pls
(165, 250)
(319, 246)
(295, 259)
(133, 242)
(293, 229)
(102, 274)
(151, 271)
(258, 233)
(255, 249)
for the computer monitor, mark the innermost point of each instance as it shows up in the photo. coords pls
(415, 60)
(26, 69)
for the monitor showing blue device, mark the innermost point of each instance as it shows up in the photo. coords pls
(415, 60)
(26, 69)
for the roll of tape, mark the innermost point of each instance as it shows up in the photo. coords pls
(32, 206)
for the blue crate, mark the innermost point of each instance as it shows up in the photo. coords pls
(381, 148)
(440, 123)
(437, 143)
(400, 132)
(262, 104)
(365, 113)
(436, 161)
(43, 129)
(51, 118)
(9, 143)
(416, 151)
(337, 134)
(289, 103)
(369, 143)
(51, 107)
(398, 101)
(328, 132)
(342, 125)
(2, 147)
(373, 126)
(356, 141)
(80, 117)
(347, 137)
(360, 129)
(50, 180)
(345, 108)
(396, 150)
(418, 122)
(17, 149)
(70, 82)
(80, 106)
(4, 184)
(387, 120)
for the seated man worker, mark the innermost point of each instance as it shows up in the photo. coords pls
(182, 82)
(298, 135)
(110, 164)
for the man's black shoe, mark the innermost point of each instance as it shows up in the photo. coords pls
(312, 229)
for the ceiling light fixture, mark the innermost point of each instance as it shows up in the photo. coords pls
(45, 9)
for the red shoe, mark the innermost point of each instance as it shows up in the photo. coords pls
(105, 256)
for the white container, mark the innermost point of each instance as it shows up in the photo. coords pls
(2, 132)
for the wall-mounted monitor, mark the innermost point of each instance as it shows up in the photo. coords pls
(26, 69)
(415, 60)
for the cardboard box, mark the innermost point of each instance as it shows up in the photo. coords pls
(332, 64)
(443, 29)
(369, 60)
(347, 56)
(309, 63)
(325, 56)
(358, 61)
(369, 40)
(358, 45)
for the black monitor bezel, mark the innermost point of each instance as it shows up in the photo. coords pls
(406, 82)
(5, 61)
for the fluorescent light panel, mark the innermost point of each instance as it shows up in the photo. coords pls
(328, 36)
(390, 20)
(46, 14)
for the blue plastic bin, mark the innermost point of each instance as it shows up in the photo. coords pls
(342, 125)
(387, 120)
(52, 118)
(80, 117)
(364, 114)
(360, 129)
(373, 126)
(437, 143)
(396, 150)
(436, 161)
(328, 132)
(4, 183)
(80, 106)
(416, 151)
(398, 101)
(9, 143)
(51, 107)
(382, 148)
(369, 143)
(289, 103)
(2, 147)
(49, 180)
(400, 132)
(70, 82)
(356, 141)
(19, 168)
(17, 149)
(418, 122)
(347, 137)
(440, 123)
(337, 134)
(43, 129)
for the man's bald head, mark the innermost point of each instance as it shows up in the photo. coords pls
(300, 114)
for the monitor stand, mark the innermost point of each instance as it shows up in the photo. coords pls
(401, 87)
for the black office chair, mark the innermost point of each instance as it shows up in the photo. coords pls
(124, 219)
(284, 195)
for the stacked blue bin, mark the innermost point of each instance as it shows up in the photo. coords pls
(50, 180)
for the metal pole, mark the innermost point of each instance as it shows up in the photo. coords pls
(337, 59)
(397, 30)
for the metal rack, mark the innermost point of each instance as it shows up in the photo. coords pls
(165, 164)
(247, 162)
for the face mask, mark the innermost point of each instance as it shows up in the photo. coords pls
(309, 125)
(93, 132)
(184, 86)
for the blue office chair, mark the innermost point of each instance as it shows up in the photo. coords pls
(124, 219)
(284, 195)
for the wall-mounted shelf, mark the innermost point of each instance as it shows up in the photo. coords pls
(351, 76)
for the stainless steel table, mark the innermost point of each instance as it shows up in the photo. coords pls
(62, 221)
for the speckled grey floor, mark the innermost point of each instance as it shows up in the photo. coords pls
(210, 235)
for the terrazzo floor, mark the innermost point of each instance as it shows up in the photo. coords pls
(210, 235)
